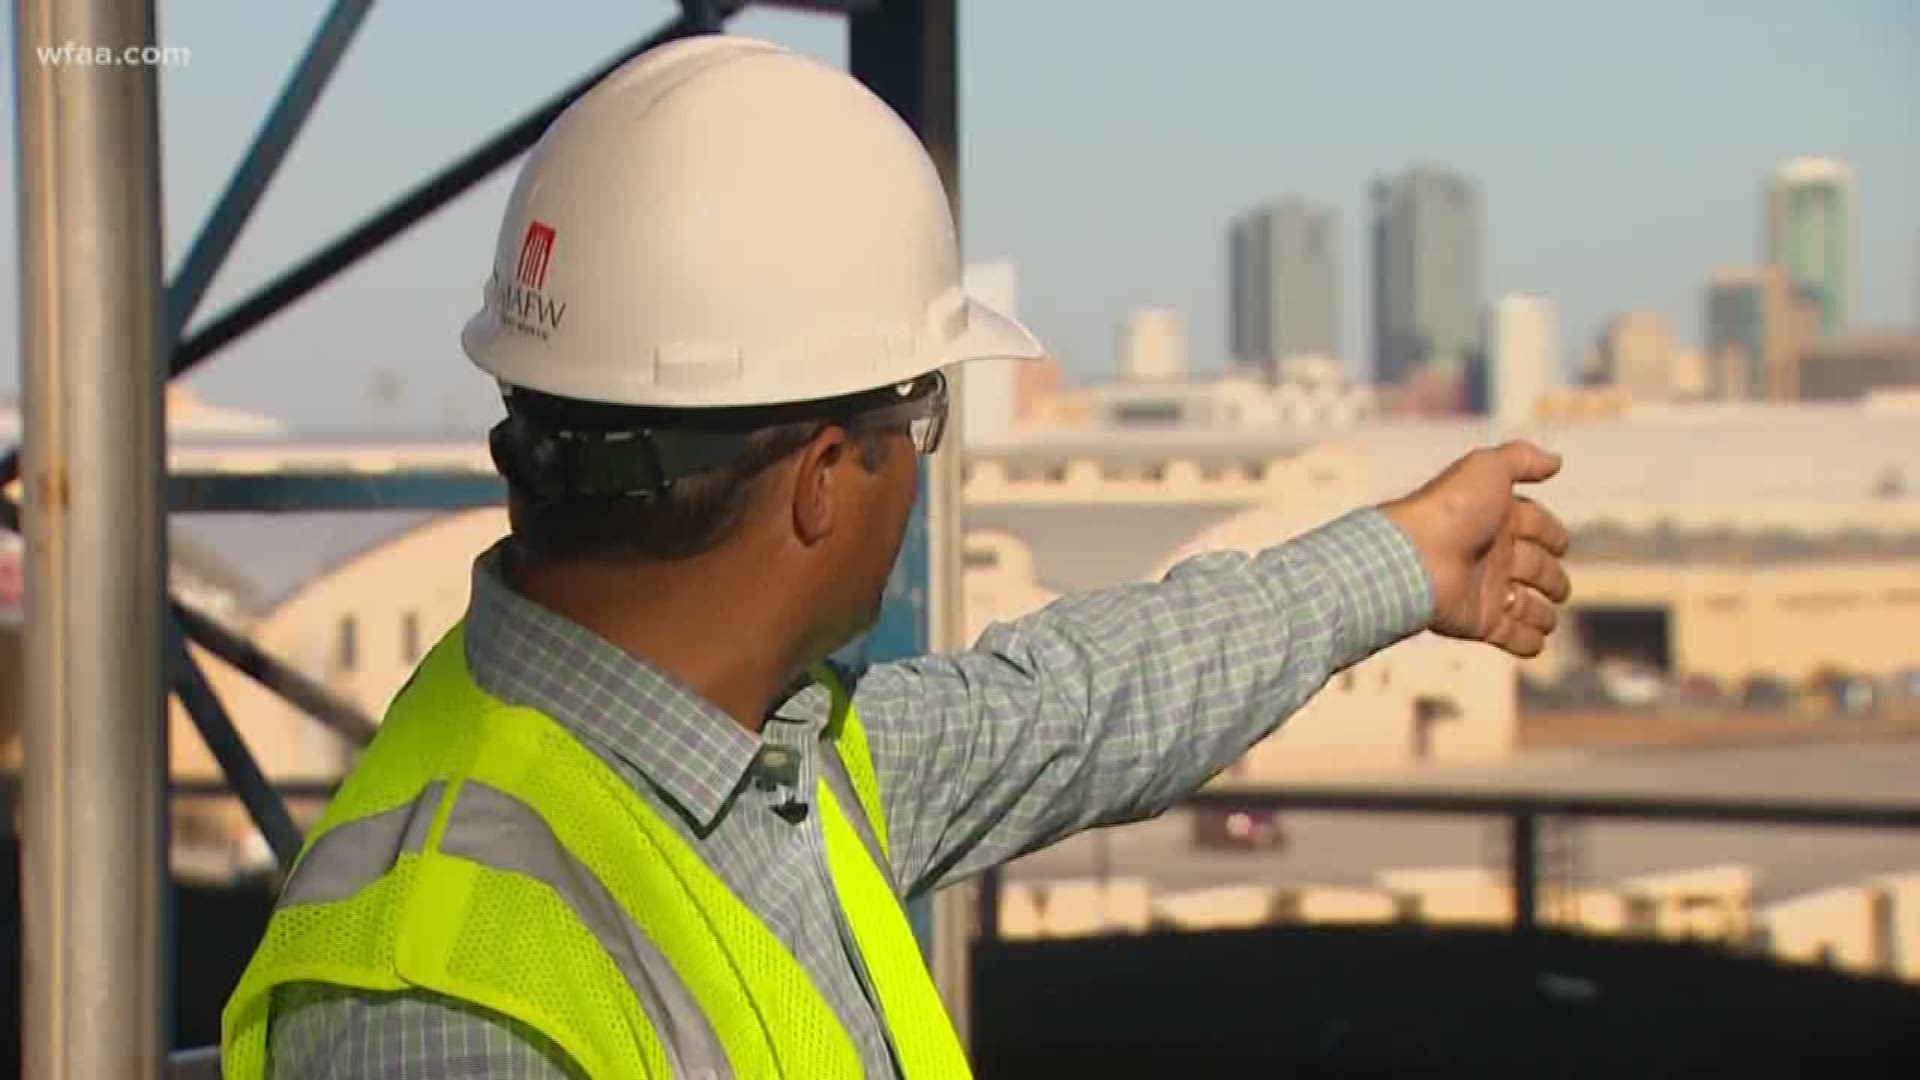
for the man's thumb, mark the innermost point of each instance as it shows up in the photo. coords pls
(1526, 462)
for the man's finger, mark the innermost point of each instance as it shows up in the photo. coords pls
(1534, 610)
(1533, 566)
(1518, 638)
(1527, 463)
(1536, 523)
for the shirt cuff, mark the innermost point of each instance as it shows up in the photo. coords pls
(1379, 587)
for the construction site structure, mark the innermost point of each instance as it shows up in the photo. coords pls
(103, 330)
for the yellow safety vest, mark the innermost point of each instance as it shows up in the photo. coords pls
(480, 852)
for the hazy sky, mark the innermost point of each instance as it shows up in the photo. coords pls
(1621, 148)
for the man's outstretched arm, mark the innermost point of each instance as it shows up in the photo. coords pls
(1111, 706)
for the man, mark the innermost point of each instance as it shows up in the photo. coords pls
(622, 821)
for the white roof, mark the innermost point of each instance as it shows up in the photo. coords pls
(1681, 456)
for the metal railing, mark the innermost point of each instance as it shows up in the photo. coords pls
(1526, 814)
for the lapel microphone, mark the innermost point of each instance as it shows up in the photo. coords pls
(780, 767)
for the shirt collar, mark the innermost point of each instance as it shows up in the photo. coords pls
(520, 652)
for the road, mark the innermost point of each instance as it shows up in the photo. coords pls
(1347, 849)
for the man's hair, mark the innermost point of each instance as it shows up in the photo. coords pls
(701, 512)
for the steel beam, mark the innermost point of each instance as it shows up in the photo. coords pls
(1523, 869)
(276, 675)
(316, 700)
(1525, 812)
(907, 52)
(270, 145)
(92, 341)
(403, 213)
(709, 16)
(391, 221)
(287, 789)
(264, 805)
(297, 492)
(194, 789)
(1578, 807)
(823, 7)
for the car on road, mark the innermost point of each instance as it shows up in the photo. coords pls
(1244, 830)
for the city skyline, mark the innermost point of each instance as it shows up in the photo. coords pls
(1808, 233)
(1429, 289)
(1758, 317)
(1521, 355)
(1109, 191)
(1284, 269)
(1750, 338)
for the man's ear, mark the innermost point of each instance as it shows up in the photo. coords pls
(817, 483)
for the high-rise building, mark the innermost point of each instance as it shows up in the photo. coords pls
(1284, 284)
(1808, 227)
(1851, 366)
(1752, 338)
(1689, 374)
(1428, 274)
(987, 390)
(1522, 356)
(1153, 346)
(1638, 353)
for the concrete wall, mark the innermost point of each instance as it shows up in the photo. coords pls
(1732, 623)
(1240, 480)
(998, 583)
(1425, 700)
(421, 579)
(1868, 927)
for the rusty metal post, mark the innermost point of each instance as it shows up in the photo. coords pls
(92, 362)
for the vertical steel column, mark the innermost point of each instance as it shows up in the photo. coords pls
(1525, 871)
(907, 51)
(95, 530)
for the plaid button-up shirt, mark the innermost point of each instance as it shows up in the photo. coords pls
(1102, 708)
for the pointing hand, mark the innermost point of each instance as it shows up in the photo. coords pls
(1494, 556)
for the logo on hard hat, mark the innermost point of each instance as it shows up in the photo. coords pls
(521, 304)
(535, 252)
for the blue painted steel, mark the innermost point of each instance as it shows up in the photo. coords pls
(824, 7)
(294, 492)
(223, 740)
(905, 52)
(903, 630)
(903, 627)
(247, 184)
(270, 145)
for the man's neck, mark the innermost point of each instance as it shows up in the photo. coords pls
(723, 646)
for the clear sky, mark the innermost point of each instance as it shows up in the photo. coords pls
(1621, 148)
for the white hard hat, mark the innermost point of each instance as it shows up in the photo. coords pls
(722, 222)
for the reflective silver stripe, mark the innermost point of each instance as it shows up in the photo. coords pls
(491, 827)
(351, 857)
(495, 829)
(834, 768)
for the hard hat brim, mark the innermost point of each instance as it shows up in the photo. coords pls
(981, 332)
(991, 334)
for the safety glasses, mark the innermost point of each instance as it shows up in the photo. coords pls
(918, 408)
(607, 452)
